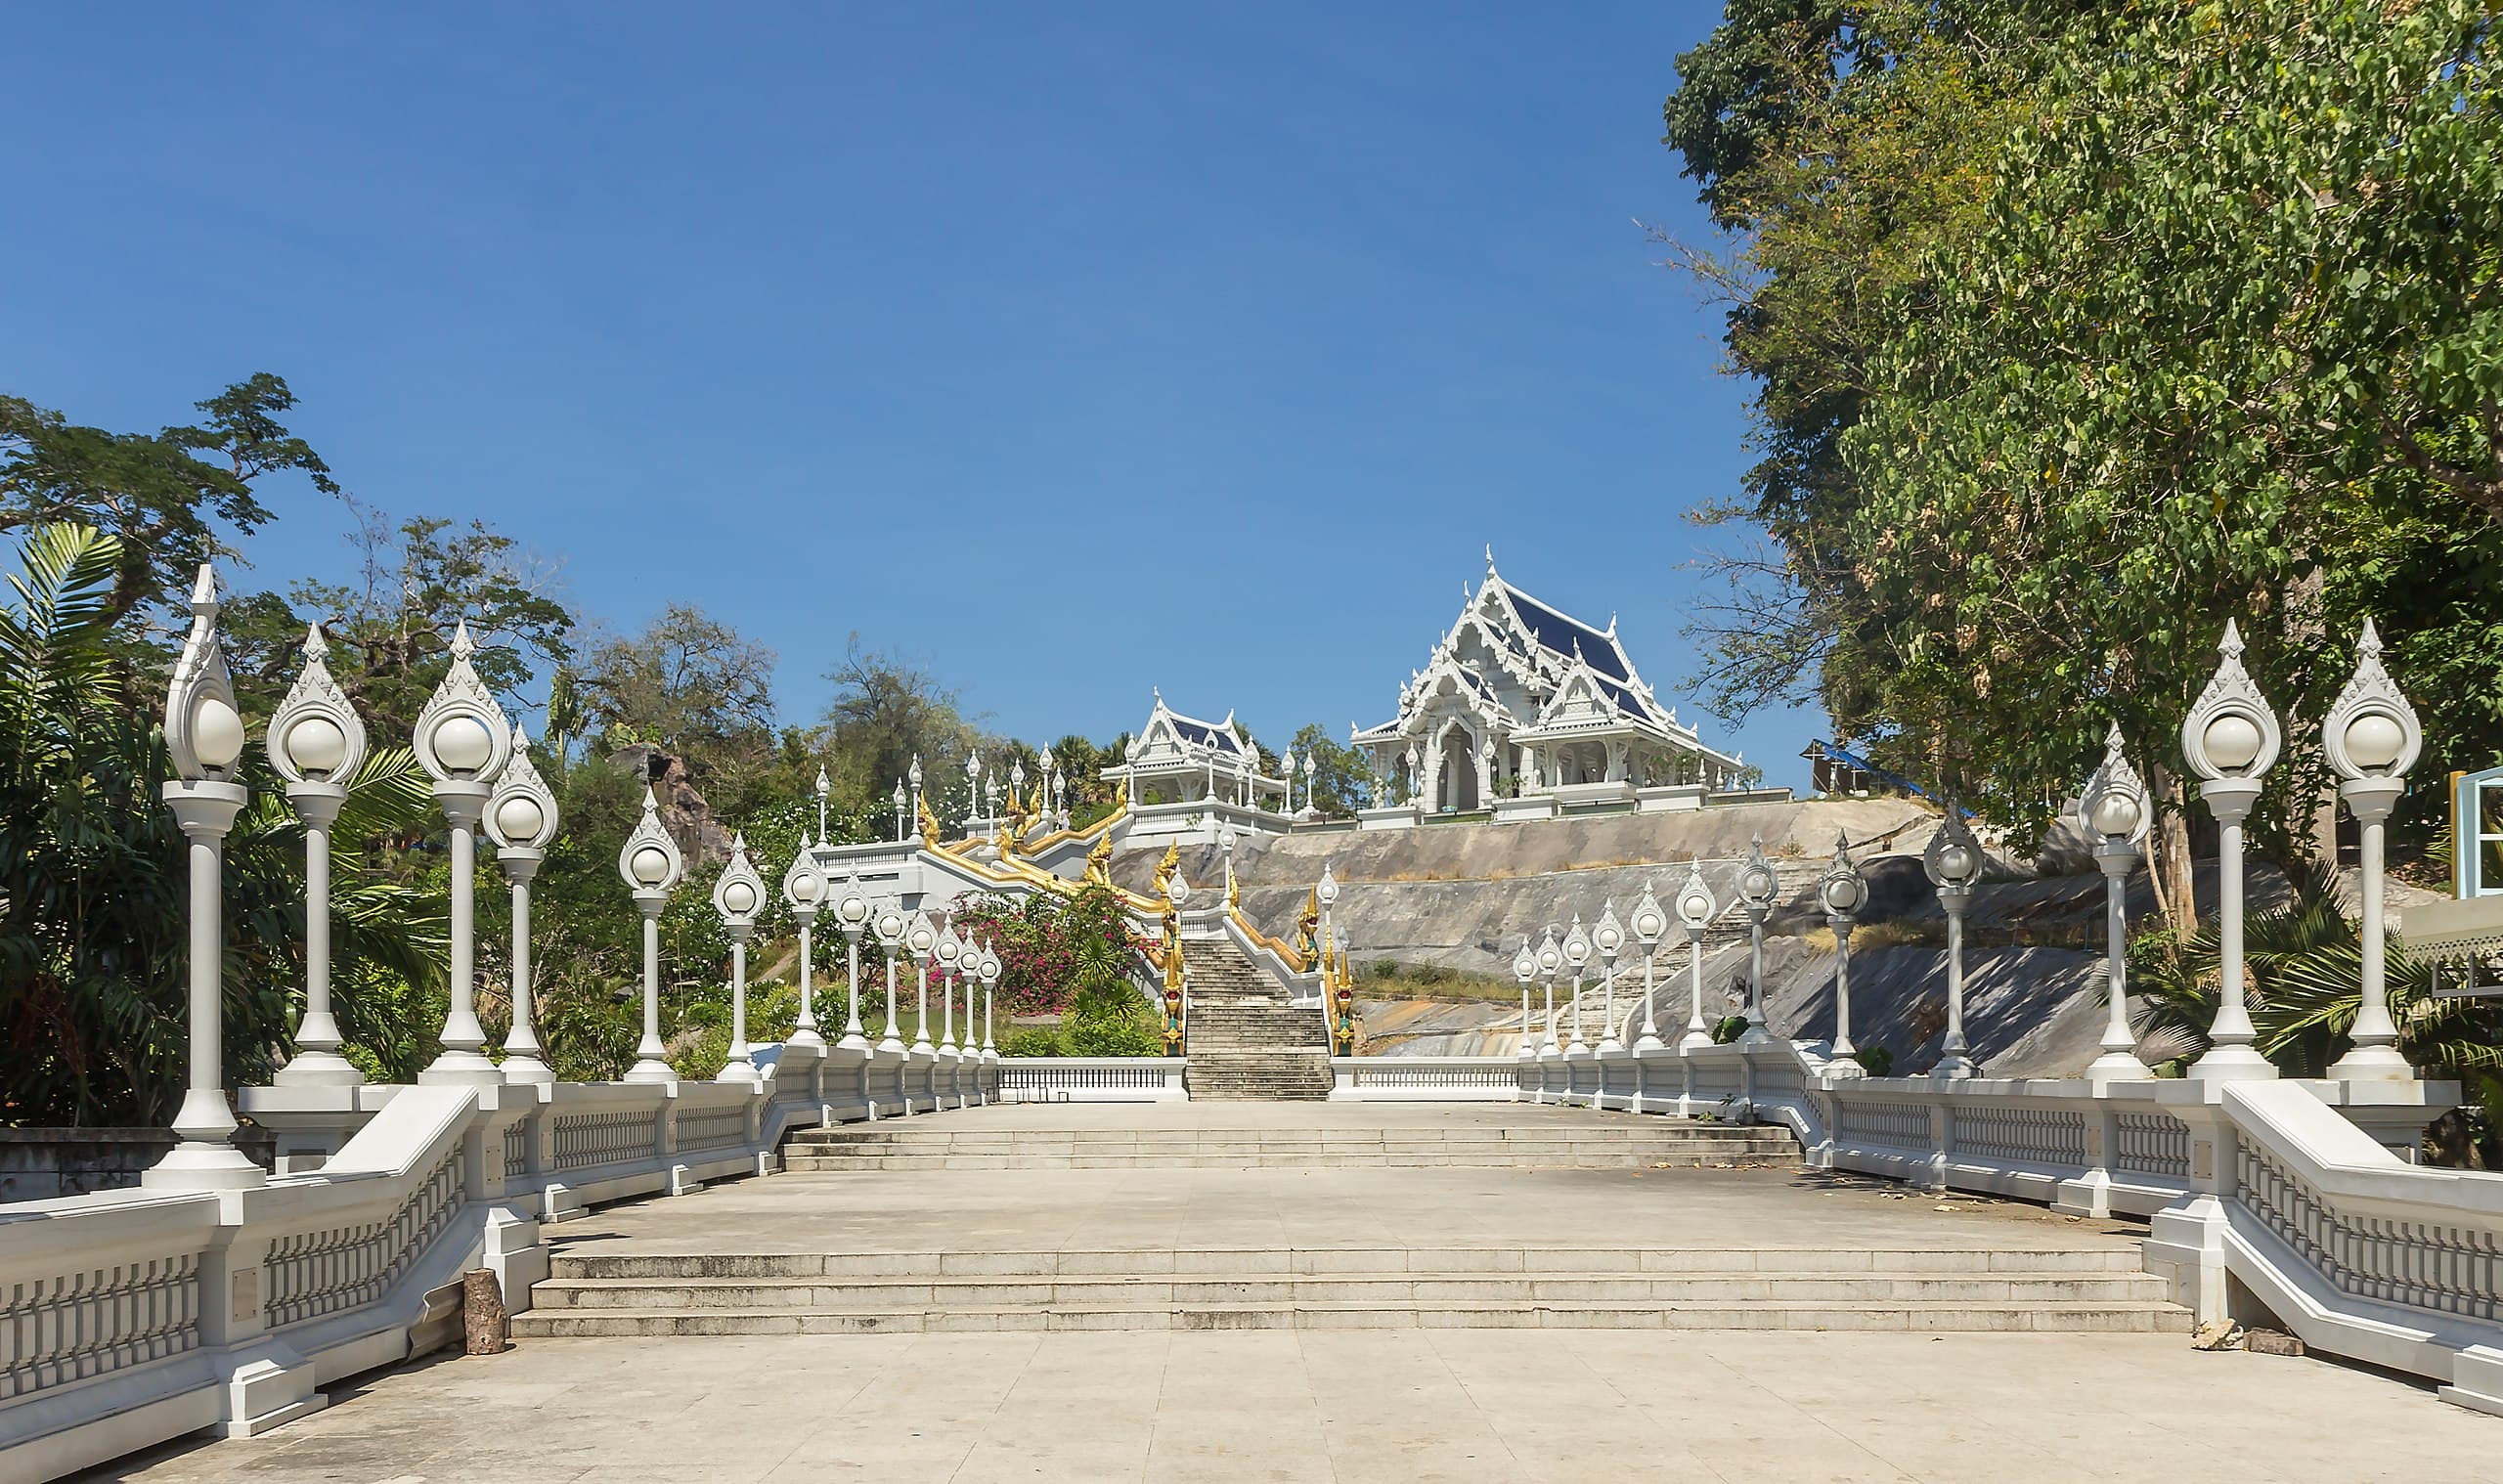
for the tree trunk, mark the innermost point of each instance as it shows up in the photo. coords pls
(2168, 860)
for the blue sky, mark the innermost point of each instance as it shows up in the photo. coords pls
(1070, 350)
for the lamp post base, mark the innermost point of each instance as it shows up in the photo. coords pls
(2372, 1064)
(461, 1068)
(1695, 1036)
(2116, 1066)
(2232, 1064)
(199, 1165)
(651, 1070)
(1956, 1069)
(318, 1067)
(525, 1067)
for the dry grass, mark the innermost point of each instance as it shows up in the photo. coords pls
(1430, 981)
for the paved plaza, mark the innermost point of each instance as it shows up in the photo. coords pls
(1373, 1406)
(1364, 1409)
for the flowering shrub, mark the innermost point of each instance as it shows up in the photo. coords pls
(1055, 956)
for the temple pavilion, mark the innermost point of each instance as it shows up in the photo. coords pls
(1183, 774)
(1526, 711)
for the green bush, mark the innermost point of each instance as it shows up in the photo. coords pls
(1877, 1061)
(1096, 1032)
(1731, 1027)
(1032, 1041)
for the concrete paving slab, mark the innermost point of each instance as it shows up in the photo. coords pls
(1365, 1409)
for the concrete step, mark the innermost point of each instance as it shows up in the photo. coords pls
(1362, 1290)
(1054, 1262)
(2143, 1317)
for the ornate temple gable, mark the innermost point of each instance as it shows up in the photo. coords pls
(1169, 733)
(1589, 700)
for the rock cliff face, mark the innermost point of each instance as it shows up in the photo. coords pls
(689, 820)
(1463, 895)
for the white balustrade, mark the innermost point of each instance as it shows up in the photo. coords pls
(1089, 1079)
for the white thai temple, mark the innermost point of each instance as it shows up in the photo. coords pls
(1525, 711)
(1182, 773)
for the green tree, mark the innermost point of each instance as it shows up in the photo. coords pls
(1342, 780)
(2227, 342)
(171, 499)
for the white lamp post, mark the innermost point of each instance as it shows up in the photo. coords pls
(2231, 739)
(950, 948)
(521, 818)
(1577, 953)
(737, 892)
(899, 835)
(463, 742)
(1311, 769)
(804, 889)
(1696, 907)
(2113, 813)
(852, 914)
(1843, 892)
(1650, 923)
(204, 736)
(651, 865)
(1525, 968)
(1291, 761)
(825, 786)
(1954, 862)
(973, 791)
(316, 742)
(1609, 937)
(919, 938)
(891, 925)
(1757, 887)
(912, 775)
(990, 982)
(1551, 957)
(2372, 738)
(1326, 892)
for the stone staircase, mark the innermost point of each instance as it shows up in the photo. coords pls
(2049, 1288)
(1542, 1137)
(1247, 1041)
